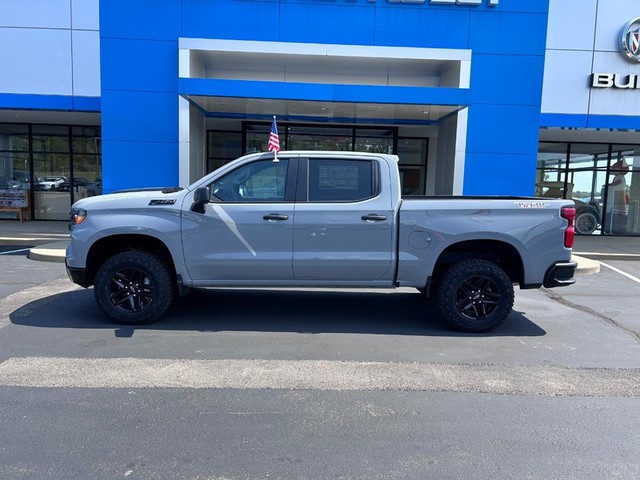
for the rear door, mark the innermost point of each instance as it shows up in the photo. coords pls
(343, 221)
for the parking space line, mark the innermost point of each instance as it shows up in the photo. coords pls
(617, 270)
(15, 251)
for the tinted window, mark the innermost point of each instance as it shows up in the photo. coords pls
(340, 180)
(255, 182)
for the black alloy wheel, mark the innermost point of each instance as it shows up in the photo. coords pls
(477, 297)
(131, 290)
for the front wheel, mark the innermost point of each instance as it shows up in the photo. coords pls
(134, 287)
(475, 296)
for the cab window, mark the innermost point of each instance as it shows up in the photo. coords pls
(256, 182)
(341, 180)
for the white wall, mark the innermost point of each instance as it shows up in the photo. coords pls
(582, 39)
(50, 47)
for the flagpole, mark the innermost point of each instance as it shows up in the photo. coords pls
(275, 152)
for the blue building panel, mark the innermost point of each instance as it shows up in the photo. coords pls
(139, 117)
(419, 26)
(231, 20)
(139, 164)
(508, 33)
(503, 129)
(508, 79)
(350, 23)
(141, 19)
(144, 65)
(500, 174)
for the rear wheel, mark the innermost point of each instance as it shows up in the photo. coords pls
(475, 296)
(134, 287)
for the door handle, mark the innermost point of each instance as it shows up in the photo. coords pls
(374, 217)
(273, 217)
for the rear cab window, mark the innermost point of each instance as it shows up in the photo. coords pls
(336, 180)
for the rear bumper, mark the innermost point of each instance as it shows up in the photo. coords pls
(560, 274)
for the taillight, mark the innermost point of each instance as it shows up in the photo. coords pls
(569, 213)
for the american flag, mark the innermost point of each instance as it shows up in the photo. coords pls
(274, 141)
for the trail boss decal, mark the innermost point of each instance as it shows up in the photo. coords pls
(531, 204)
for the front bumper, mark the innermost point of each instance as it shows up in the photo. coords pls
(77, 275)
(560, 274)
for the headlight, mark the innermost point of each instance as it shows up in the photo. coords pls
(77, 216)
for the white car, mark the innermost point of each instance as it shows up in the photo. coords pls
(49, 183)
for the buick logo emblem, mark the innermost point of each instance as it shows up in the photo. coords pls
(631, 40)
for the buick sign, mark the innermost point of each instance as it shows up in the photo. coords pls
(631, 40)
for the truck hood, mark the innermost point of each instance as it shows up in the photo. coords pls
(133, 199)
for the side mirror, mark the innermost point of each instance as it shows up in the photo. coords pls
(200, 198)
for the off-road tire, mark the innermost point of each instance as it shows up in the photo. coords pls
(134, 287)
(475, 296)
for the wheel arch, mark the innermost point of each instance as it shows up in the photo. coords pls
(111, 245)
(501, 253)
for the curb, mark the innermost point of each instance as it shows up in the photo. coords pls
(586, 266)
(49, 252)
(44, 240)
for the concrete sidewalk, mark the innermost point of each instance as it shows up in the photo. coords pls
(50, 239)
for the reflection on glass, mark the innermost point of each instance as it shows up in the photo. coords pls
(413, 163)
(87, 177)
(14, 170)
(51, 172)
(622, 192)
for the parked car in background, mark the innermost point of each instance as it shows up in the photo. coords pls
(588, 213)
(51, 183)
(92, 187)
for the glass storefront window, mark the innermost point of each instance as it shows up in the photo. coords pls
(41, 159)
(87, 176)
(319, 138)
(413, 165)
(51, 200)
(622, 191)
(14, 138)
(602, 179)
(14, 170)
(222, 148)
(86, 145)
(374, 141)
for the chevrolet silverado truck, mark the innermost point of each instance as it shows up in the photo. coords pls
(317, 219)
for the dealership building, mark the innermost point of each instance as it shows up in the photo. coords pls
(477, 97)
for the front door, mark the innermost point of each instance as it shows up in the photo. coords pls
(246, 232)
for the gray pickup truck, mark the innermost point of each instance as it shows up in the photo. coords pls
(317, 219)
